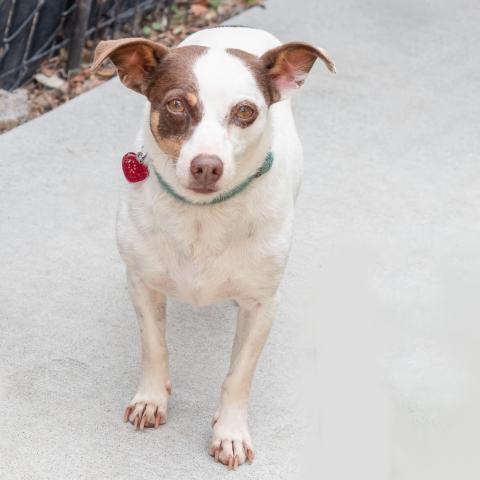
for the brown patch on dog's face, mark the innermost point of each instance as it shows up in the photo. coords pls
(257, 68)
(192, 99)
(170, 145)
(173, 94)
(165, 76)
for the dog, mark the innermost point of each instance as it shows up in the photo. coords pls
(213, 219)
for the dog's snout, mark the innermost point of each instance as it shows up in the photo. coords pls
(206, 169)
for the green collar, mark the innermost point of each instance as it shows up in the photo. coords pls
(264, 168)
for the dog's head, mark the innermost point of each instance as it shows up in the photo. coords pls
(209, 107)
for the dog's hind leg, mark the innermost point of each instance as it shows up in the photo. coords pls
(231, 443)
(149, 405)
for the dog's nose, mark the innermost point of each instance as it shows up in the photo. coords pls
(206, 169)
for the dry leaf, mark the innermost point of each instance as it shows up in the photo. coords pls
(107, 72)
(50, 82)
(198, 10)
(211, 15)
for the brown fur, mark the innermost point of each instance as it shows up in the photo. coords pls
(294, 58)
(161, 74)
(135, 59)
(173, 78)
(170, 145)
(257, 67)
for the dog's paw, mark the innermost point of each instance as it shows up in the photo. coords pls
(145, 415)
(231, 443)
(146, 411)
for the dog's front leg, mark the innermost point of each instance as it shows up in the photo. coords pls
(231, 443)
(149, 406)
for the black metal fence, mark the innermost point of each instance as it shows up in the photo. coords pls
(34, 30)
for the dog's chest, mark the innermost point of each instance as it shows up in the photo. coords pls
(205, 259)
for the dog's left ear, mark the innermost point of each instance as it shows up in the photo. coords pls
(135, 59)
(289, 64)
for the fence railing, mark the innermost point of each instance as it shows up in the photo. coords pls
(34, 30)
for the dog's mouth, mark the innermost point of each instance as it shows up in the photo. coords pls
(204, 190)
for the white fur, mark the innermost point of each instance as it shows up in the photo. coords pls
(205, 254)
(223, 82)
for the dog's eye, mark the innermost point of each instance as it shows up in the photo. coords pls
(245, 112)
(176, 106)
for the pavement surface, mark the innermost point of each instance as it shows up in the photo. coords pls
(371, 371)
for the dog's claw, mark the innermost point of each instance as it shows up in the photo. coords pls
(127, 413)
(142, 423)
(231, 453)
(145, 415)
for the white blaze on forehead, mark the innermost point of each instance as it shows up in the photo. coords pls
(223, 80)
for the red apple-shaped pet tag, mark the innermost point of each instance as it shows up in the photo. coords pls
(134, 167)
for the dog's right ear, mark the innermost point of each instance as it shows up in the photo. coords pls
(135, 59)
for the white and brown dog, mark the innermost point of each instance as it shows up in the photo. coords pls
(213, 220)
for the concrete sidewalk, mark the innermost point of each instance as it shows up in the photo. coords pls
(374, 351)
